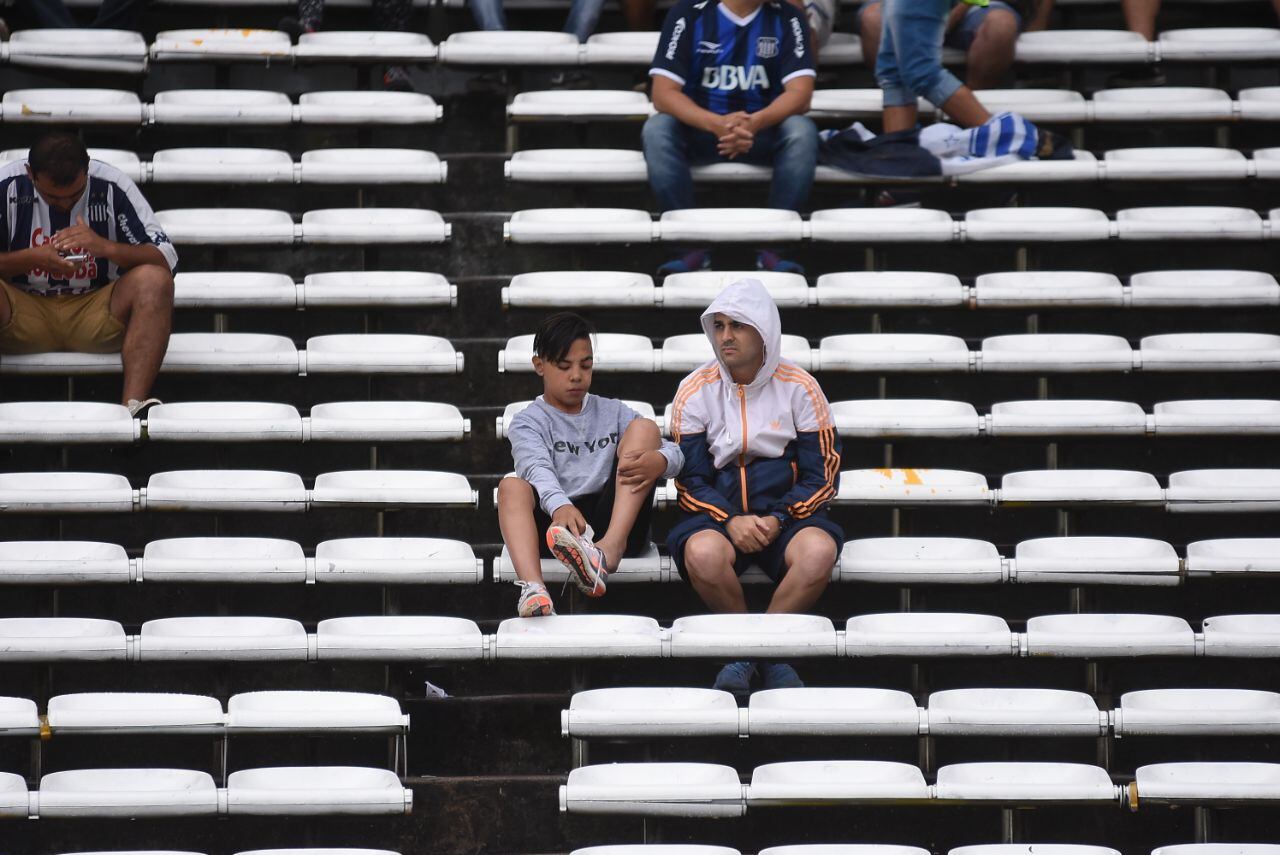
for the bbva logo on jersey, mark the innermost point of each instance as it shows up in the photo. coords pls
(726, 77)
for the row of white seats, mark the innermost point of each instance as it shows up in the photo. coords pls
(271, 166)
(136, 793)
(849, 225)
(612, 165)
(261, 353)
(713, 790)
(602, 636)
(269, 227)
(247, 712)
(661, 712)
(217, 490)
(931, 352)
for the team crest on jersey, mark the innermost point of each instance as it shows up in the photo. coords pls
(98, 212)
(766, 47)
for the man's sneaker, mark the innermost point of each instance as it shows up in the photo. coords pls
(735, 678)
(584, 559)
(1146, 75)
(534, 600)
(767, 259)
(296, 27)
(138, 409)
(697, 259)
(780, 676)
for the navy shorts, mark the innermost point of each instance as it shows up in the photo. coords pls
(772, 559)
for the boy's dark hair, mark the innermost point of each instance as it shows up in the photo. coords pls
(557, 333)
(58, 156)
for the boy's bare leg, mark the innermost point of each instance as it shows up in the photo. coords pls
(809, 557)
(708, 561)
(519, 532)
(640, 436)
(965, 109)
(899, 118)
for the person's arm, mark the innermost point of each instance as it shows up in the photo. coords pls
(123, 255)
(144, 240)
(695, 485)
(533, 463)
(817, 448)
(669, 98)
(43, 257)
(796, 96)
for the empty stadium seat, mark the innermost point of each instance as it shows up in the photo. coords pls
(1259, 103)
(18, 717)
(225, 639)
(378, 288)
(1109, 635)
(1203, 288)
(579, 105)
(225, 490)
(1025, 783)
(221, 107)
(601, 165)
(397, 560)
(360, 45)
(389, 638)
(1037, 105)
(1047, 288)
(1045, 352)
(1266, 163)
(510, 48)
(89, 49)
(646, 567)
(221, 44)
(1162, 104)
(656, 848)
(578, 637)
(310, 790)
(1256, 635)
(620, 48)
(685, 352)
(371, 165)
(386, 421)
(131, 793)
(579, 225)
(77, 106)
(63, 562)
(889, 288)
(1217, 416)
(373, 226)
(1083, 46)
(1207, 783)
(716, 225)
(225, 289)
(1188, 222)
(882, 225)
(1218, 849)
(835, 782)
(1014, 712)
(921, 561)
(60, 362)
(1172, 162)
(1243, 555)
(1220, 44)
(392, 488)
(64, 492)
(892, 352)
(928, 634)
(1197, 712)
(912, 486)
(224, 421)
(654, 789)
(1210, 352)
(238, 353)
(1224, 490)
(545, 289)
(867, 103)
(223, 559)
(905, 417)
(1096, 561)
(1026, 225)
(643, 712)
(752, 636)
(61, 639)
(1065, 486)
(65, 422)
(363, 108)
(614, 352)
(381, 353)
(136, 712)
(1083, 166)
(314, 712)
(222, 166)
(813, 711)
(1061, 417)
(696, 290)
(220, 226)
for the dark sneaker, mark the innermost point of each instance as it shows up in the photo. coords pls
(767, 259)
(735, 678)
(296, 28)
(696, 259)
(396, 79)
(780, 676)
(1144, 75)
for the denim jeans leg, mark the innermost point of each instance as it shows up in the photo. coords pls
(794, 155)
(916, 29)
(666, 154)
(488, 14)
(583, 17)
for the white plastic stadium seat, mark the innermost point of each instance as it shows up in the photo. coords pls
(912, 487)
(685, 352)
(221, 107)
(1236, 555)
(905, 417)
(1014, 712)
(1025, 783)
(1064, 486)
(1081, 167)
(1035, 848)
(63, 562)
(865, 103)
(1188, 222)
(348, 45)
(396, 560)
(88, 49)
(1218, 849)
(223, 559)
(1109, 635)
(138, 712)
(371, 165)
(657, 848)
(219, 226)
(510, 48)
(1198, 712)
(225, 490)
(654, 789)
(65, 422)
(921, 560)
(132, 793)
(1047, 288)
(1245, 635)
(1266, 161)
(1066, 417)
(1083, 46)
(1207, 783)
(696, 290)
(1162, 104)
(14, 800)
(314, 712)
(889, 288)
(1096, 561)
(224, 421)
(717, 225)
(18, 717)
(398, 637)
(577, 165)
(578, 637)
(813, 711)
(1044, 352)
(1261, 103)
(78, 106)
(643, 712)
(373, 226)
(60, 362)
(378, 288)
(1220, 44)
(1165, 163)
(545, 289)
(579, 105)
(1203, 288)
(1224, 490)
(381, 353)
(222, 166)
(227, 639)
(614, 352)
(883, 352)
(386, 421)
(752, 635)
(843, 48)
(882, 225)
(835, 782)
(212, 45)
(621, 48)
(928, 634)
(311, 790)
(1037, 105)
(232, 289)
(362, 108)
(238, 353)
(64, 492)
(392, 488)
(1210, 352)
(63, 639)
(579, 225)
(1027, 225)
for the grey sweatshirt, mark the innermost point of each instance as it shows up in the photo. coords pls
(565, 456)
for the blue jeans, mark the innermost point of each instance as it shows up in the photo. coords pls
(671, 147)
(910, 60)
(963, 34)
(582, 20)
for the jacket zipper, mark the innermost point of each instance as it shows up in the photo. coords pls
(742, 458)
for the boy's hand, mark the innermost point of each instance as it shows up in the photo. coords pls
(746, 534)
(571, 518)
(639, 469)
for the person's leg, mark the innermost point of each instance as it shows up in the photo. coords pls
(517, 503)
(25, 325)
(119, 14)
(808, 557)
(392, 15)
(639, 14)
(666, 143)
(794, 156)
(583, 17)
(143, 301)
(488, 14)
(899, 101)
(989, 54)
(867, 24)
(708, 562)
(48, 13)
(1140, 17)
(640, 435)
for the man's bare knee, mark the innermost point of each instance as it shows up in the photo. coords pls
(999, 31)
(706, 556)
(811, 558)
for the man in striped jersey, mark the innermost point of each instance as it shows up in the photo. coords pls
(761, 463)
(84, 267)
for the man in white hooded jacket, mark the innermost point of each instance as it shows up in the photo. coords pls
(761, 462)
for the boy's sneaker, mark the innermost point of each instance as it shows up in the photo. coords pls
(534, 600)
(697, 259)
(767, 259)
(780, 676)
(584, 559)
(735, 678)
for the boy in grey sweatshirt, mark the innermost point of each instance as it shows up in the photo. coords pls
(584, 465)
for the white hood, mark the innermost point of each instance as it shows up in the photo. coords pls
(747, 301)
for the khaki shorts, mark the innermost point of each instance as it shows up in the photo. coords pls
(81, 323)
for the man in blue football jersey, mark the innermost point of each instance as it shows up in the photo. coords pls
(732, 80)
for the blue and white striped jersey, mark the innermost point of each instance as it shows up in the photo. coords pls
(726, 63)
(113, 207)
